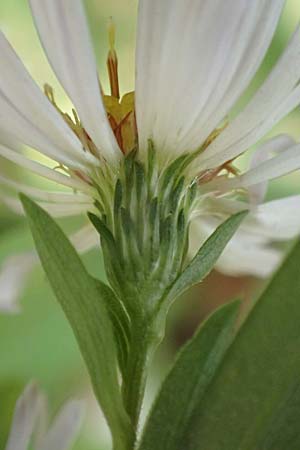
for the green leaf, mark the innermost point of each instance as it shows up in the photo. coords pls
(187, 382)
(84, 306)
(284, 432)
(114, 306)
(255, 394)
(204, 261)
(119, 319)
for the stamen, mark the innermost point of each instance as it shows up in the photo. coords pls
(215, 134)
(112, 61)
(48, 90)
(111, 28)
(121, 115)
(79, 130)
(121, 112)
(74, 124)
(82, 176)
(210, 174)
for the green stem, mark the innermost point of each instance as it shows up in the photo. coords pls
(124, 442)
(134, 386)
(143, 345)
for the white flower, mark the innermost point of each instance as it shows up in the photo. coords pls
(30, 423)
(15, 269)
(194, 59)
(13, 277)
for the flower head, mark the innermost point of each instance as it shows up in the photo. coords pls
(30, 423)
(194, 60)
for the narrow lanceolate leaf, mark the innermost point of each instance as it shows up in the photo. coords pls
(119, 319)
(254, 401)
(114, 306)
(85, 309)
(207, 256)
(187, 382)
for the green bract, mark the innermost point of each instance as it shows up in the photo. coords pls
(143, 222)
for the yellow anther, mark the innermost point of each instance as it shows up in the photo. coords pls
(76, 118)
(49, 92)
(111, 34)
(73, 122)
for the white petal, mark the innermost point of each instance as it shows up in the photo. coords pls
(263, 153)
(277, 96)
(15, 270)
(41, 170)
(26, 132)
(244, 62)
(54, 209)
(220, 206)
(67, 210)
(289, 104)
(42, 422)
(64, 430)
(64, 34)
(243, 255)
(13, 277)
(183, 77)
(85, 239)
(250, 251)
(239, 259)
(25, 416)
(40, 194)
(7, 140)
(22, 99)
(286, 162)
(277, 220)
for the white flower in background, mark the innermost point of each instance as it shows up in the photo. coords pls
(194, 59)
(13, 277)
(15, 269)
(29, 426)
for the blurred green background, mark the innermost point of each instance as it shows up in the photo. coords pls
(38, 343)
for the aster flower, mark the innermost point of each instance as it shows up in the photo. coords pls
(29, 426)
(193, 62)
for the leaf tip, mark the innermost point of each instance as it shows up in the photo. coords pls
(242, 214)
(28, 204)
(25, 200)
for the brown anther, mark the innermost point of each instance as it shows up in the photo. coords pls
(231, 169)
(112, 66)
(117, 130)
(210, 174)
(83, 177)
